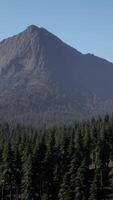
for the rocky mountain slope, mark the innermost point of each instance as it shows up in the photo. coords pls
(43, 80)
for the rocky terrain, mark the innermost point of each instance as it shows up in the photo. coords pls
(43, 80)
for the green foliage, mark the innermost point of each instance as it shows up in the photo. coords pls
(60, 163)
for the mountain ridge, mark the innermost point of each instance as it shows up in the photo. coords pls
(44, 80)
(34, 27)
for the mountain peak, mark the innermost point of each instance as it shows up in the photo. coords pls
(32, 28)
(44, 80)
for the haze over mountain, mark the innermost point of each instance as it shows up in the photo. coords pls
(44, 80)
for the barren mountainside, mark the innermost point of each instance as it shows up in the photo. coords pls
(43, 80)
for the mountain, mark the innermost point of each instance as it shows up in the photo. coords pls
(43, 80)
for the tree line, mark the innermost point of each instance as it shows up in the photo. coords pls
(58, 163)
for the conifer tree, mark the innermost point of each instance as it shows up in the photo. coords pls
(27, 188)
(65, 190)
(81, 183)
(7, 170)
(94, 193)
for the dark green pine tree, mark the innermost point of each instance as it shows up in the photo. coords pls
(65, 154)
(87, 146)
(81, 183)
(109, 192)
(103, 148)
(94, 193)
(57, 175)
(27, 188)
(79, 145)
(49, 168)
(73, 171)
(17, 171)
(38, 168)
(65, 190)
(7, 171)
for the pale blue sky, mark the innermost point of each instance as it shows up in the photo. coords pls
(86, 25)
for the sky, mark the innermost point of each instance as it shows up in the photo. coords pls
(87, 25)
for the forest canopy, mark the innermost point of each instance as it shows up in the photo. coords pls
(58, 163)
